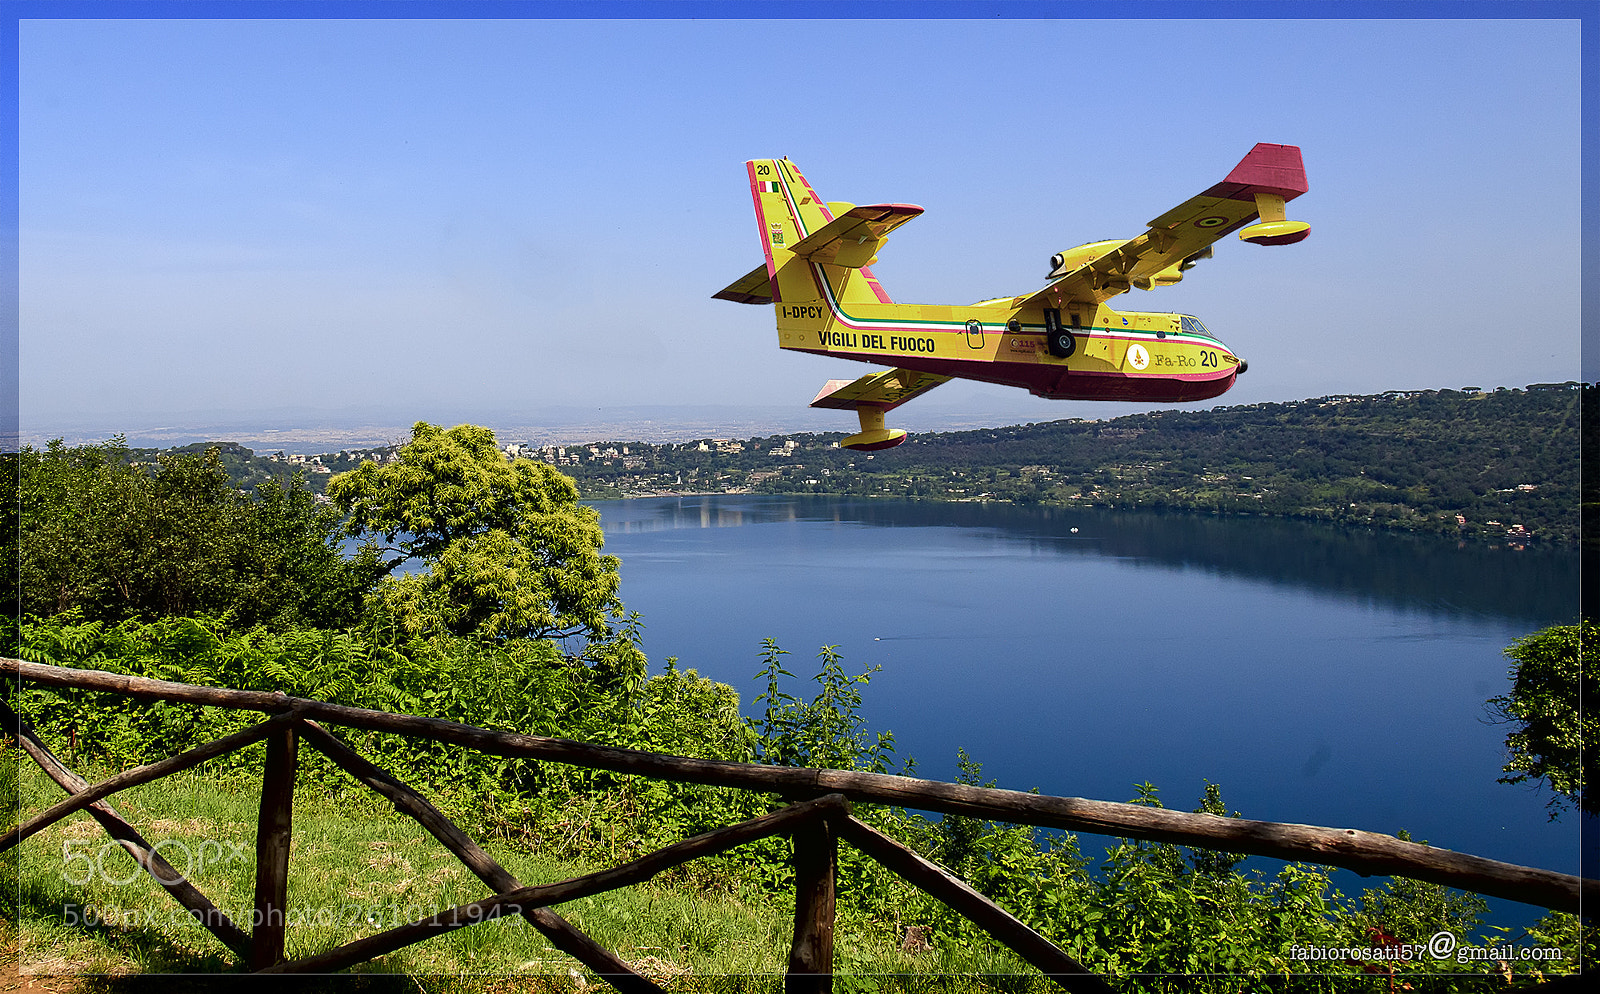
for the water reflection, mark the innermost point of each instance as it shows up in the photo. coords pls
(655, 514)
(1321, 675)
(1533, 586)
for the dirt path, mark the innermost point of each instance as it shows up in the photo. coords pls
(11, 980)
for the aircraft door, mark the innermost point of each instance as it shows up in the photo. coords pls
(974, 334)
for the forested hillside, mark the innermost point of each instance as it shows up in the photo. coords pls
(1500, 466)
(1441, 461)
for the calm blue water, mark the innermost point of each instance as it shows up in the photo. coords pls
(1318, 675)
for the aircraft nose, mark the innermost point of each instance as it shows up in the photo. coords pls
(1243, 366)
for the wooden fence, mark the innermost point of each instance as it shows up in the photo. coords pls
(818, 816)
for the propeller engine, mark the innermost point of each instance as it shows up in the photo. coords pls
(1065, 262)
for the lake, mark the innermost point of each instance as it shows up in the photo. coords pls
(1319, 675)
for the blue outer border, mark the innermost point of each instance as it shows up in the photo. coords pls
(766, 9)
(12, 11)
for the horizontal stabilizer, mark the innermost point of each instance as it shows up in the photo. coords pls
(854, 237)
(885, 390)
(754, 287)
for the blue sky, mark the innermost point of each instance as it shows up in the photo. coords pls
(467, 218)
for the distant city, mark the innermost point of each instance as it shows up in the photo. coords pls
(295, 433)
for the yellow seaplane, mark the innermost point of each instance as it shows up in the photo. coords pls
(1061, 342)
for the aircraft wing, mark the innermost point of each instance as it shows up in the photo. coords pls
(854, 237)
(754, 287)
(886, 390)
(1180, 237)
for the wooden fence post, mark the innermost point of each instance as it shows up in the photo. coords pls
(811, 955)
(272, 849)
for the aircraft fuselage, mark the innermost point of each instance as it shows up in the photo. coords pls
(1116, 355)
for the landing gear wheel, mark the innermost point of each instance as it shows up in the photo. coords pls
(1062, 343)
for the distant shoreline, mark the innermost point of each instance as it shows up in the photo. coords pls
(308, 437)
(1499, 465)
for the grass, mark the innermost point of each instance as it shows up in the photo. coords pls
(81, 906)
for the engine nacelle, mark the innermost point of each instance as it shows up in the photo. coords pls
(1063, 263)
(1173, 273)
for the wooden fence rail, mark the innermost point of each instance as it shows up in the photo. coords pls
(552, 926)
(213, 918)
(815, 827)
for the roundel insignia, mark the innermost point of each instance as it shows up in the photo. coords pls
(1138, 358)
(1211, 222)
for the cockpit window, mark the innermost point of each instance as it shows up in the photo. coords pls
(1193, 326)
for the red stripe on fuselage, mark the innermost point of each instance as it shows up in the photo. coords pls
(1057, 382)
(765, 234)
(877, 288)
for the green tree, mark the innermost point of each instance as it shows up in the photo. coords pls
(1555, 740)
(508, 550)
(10, 604)
(115, 539)
(828, 731)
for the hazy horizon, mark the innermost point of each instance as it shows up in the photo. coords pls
(311, 430)
(294, 428)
